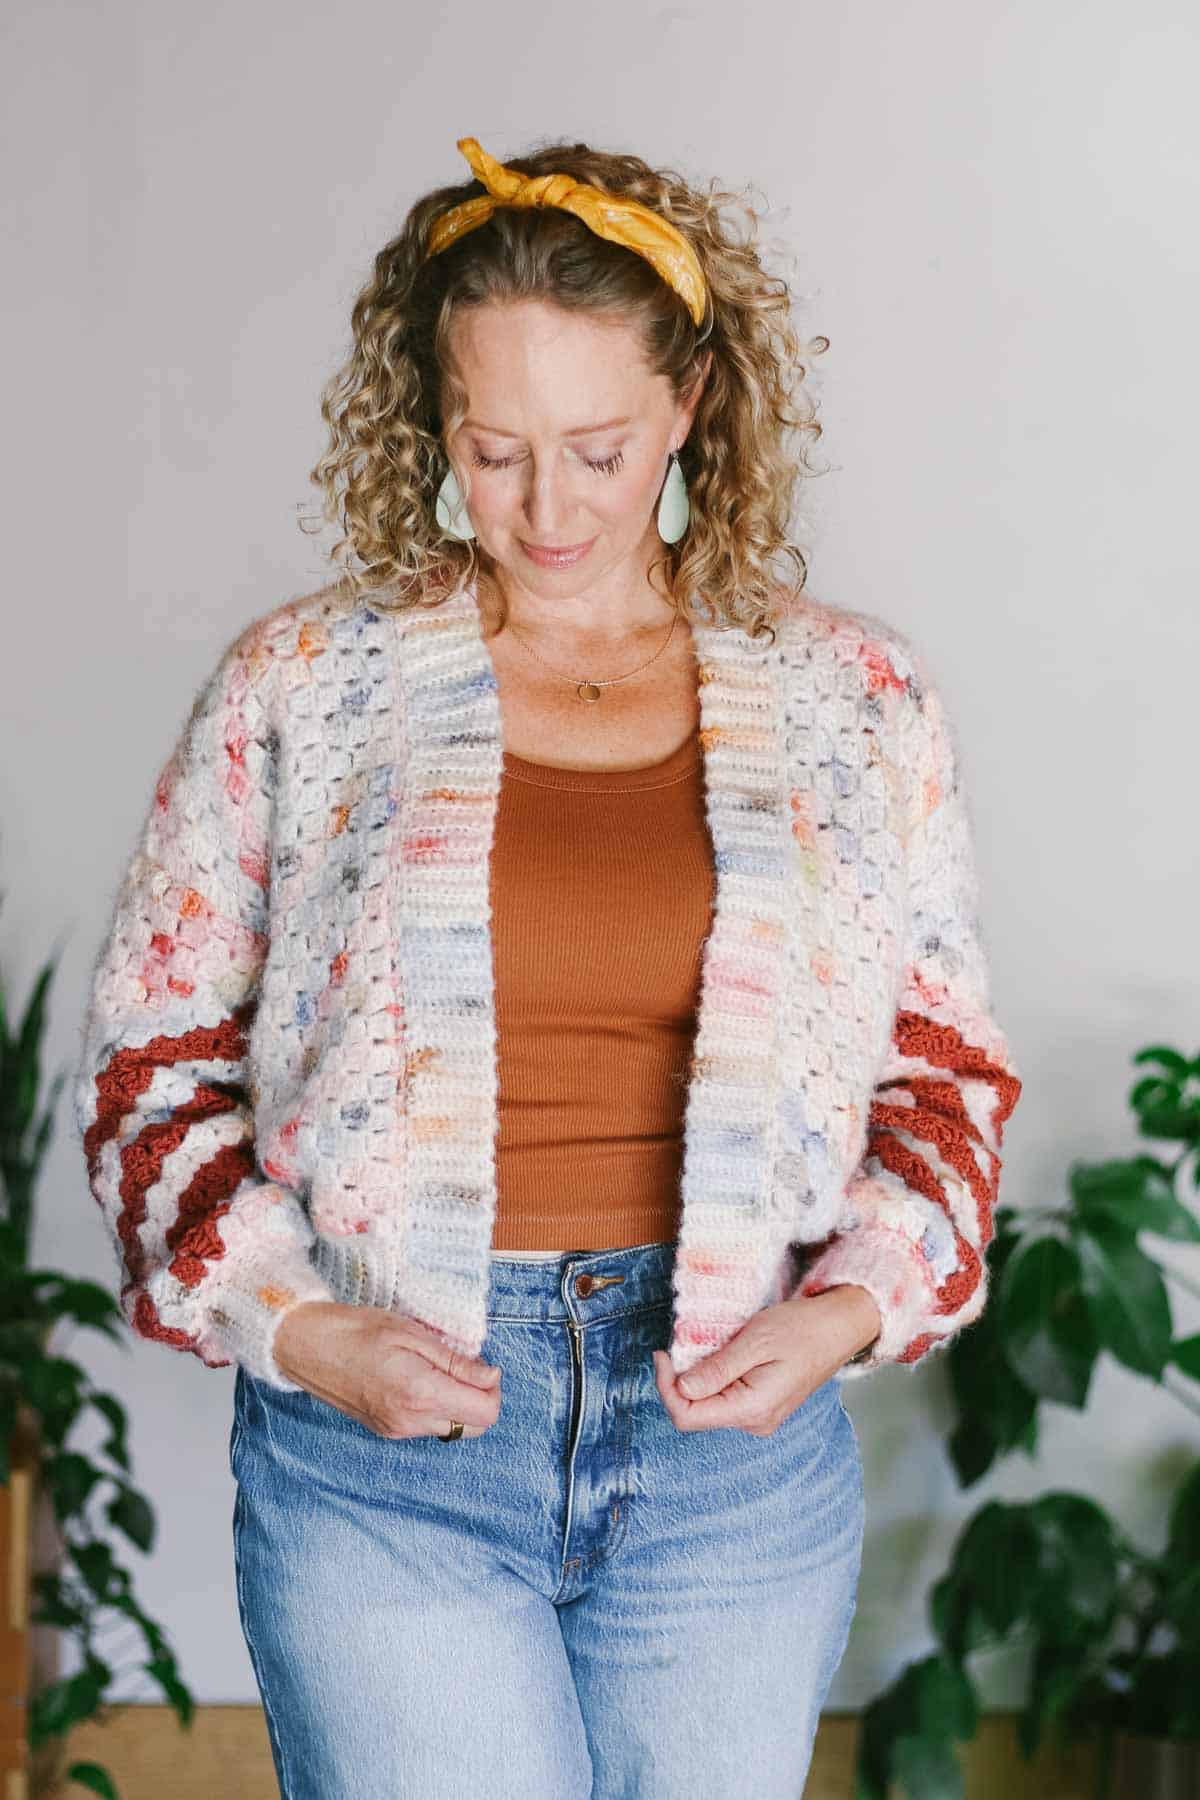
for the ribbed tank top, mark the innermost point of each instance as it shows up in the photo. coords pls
(601, 888)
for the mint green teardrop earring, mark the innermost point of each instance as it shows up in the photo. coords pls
(452, 515)
(673, 508)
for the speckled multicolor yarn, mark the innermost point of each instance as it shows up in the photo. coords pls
(287, 1087)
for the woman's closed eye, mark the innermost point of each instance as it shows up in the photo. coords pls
(608, 466)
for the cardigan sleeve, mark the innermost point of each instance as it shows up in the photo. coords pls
(211, 1253)
(917, 1215)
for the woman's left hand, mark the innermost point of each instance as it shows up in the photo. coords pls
(772, 1365)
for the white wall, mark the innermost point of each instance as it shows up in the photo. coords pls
(994, 209)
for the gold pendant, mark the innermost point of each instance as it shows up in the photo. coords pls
(587, 690)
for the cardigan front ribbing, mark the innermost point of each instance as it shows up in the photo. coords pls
(287, 1082)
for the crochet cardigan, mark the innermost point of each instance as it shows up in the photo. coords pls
(287, 1084)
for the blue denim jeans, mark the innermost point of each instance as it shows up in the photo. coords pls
(581, 1602)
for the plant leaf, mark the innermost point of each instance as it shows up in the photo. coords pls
(926, 1768)
(1045, 1324)
(94, 1776)
(53, 1603)
(1163, 1054)
(1057, 1675)
(1183, 1531)
(114, 1446)
(164, 1671)
(1125, 1295)
(131, 1513)
(946, 1703)
(1168, 1104)
(1136, 1195)
(972, 1449)
(55, 1708)
(1076, 1573)
(99, 1568)
(995, 1561)
(899, 1712)
(996, 1411)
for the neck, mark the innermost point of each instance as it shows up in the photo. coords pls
(596, 619)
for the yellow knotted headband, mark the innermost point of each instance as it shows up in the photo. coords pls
(608, 215)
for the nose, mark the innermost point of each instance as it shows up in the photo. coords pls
(547, 504)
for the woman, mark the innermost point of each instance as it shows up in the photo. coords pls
(546, 1010)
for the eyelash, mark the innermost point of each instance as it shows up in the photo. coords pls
(609, 466)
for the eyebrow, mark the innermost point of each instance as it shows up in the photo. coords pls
(576, 430)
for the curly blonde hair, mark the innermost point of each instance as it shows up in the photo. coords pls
(397, 399)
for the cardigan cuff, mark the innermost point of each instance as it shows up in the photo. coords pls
(234, 1303)
(243, 1315)
(891, 1267)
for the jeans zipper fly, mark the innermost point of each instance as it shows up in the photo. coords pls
(577, 1355)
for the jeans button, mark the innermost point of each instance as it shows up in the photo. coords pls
(584, 1285)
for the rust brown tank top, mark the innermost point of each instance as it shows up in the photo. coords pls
(601, 895)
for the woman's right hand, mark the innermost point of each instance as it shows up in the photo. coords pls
(390, 1372)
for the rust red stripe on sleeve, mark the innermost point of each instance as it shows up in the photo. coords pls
(943, 1047)
(128, 1072)
(916, 1174)
(192, 1236)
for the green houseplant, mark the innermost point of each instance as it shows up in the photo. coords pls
(1114, 1629)
(44, 1396)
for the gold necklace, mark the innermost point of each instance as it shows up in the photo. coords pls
(590, 690)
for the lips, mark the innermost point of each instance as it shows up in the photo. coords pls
(556, 557)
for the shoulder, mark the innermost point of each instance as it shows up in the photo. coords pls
(275, 651)
(857, 657)
(886, 654)
(872, 654)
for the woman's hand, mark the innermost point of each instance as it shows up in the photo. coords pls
(772, 1365)
(390, 1372)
